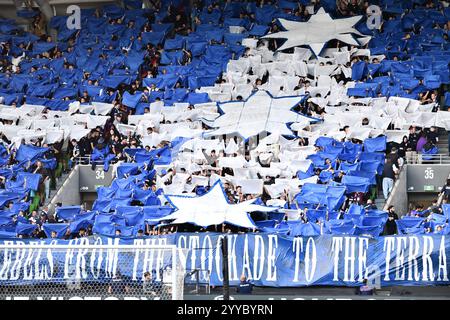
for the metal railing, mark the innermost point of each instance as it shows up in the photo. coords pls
(82, 160)
(395, 187)
(88, 160)
(417, 158)
(197, 283)
(55, 197)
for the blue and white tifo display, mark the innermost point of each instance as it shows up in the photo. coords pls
(267, 260)
(209, 84)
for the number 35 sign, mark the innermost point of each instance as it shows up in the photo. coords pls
(429, 174)
(422, 178)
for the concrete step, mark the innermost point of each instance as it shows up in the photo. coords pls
(59, 183)
(380, 202)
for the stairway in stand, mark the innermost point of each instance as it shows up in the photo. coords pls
(380, 201)
(59, 183)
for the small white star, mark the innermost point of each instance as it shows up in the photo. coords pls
(318, 30)
(212, 208)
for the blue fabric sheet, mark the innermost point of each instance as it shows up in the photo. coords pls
(359, 70)
(356, 184)
(305, 229)
(25, 228)
(29, 152)
(68, 212)
(59, 228)
(30, 180)
(131, 100)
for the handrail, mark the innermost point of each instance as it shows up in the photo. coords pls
(439, 158)
(52, 203)
(440, 199)
(82, 160)
(206, 283)
(435, 159)
(394, 188)
(88, 160)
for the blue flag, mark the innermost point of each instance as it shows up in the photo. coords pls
(30, 152)
(359, 70)
(375, 144)
(131, 100)
(68, 213)
(30, 180)
(25, 228)
(59, 228)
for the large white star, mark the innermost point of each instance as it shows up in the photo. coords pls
(318, 30)
(212, 208)
(259, 113)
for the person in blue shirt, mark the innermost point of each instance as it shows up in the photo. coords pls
(244, 287)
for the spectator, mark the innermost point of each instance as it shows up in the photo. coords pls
(245, 286)
(370, 205)
(45, 212)
(413, 212)
(445, 190)
(38, 25)
(81, 233)
(150, 286)
(432, 136)
(413, 138)
(403, 147)
(353, 8)
(435, 208)
(421, 142)
(389, 172)
(34, 218)
(390, 228)
(438, 229)
(45, 190)
(366, 289)
(75, 152)
(420, 211)
(67, 235)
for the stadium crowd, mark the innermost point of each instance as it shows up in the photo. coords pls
(134, 71)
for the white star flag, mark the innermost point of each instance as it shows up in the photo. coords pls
(317, 31)
(213, 208)
(259, 113)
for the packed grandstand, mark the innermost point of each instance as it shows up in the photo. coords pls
(271, 117)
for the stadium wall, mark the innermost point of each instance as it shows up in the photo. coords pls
(399, 195)
(69, 193)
